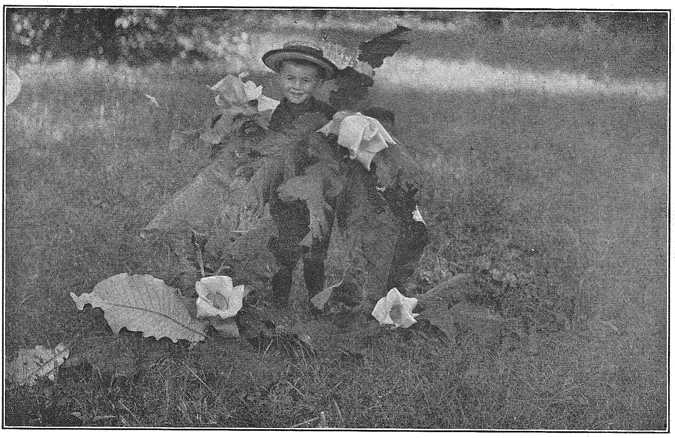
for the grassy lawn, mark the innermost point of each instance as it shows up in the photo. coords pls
(577, 182)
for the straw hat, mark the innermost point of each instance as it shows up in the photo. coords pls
(299, 50)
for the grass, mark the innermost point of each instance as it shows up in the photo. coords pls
(522, 43)
(578, 182)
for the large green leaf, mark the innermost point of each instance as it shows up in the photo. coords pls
(145, 304)
(446, 307)
(437, 301)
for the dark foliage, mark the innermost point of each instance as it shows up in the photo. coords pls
(148, 35)
(135, 36)
(57, 32)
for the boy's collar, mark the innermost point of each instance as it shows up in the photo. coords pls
(306, 103)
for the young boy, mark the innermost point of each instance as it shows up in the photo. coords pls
(302, 70)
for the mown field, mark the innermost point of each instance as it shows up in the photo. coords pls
(576, 183)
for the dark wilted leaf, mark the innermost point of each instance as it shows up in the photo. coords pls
(382, 46)
(31, 364)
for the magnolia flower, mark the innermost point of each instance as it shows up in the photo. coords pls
(396, 309)
(333, 127)
(234, 92)
(231, 89)
(217, 297)
(363, 136)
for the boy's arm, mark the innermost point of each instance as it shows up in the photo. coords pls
(284, 155)
(309, 189)
(321, 181)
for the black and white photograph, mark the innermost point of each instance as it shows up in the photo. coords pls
(336, 218)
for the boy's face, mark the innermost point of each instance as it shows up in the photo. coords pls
(299, 81)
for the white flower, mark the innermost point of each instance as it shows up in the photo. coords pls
(333, 127)
(217, 297)
(396, 309)
(363, 136)
(233, 91)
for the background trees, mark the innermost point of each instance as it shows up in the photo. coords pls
(138, 36)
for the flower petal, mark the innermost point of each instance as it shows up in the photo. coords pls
(231, 89)
(395, 309)
(381, 311)
(206, 309)
(363, 136)
(219, 285)
(267, 103)
(252, 90)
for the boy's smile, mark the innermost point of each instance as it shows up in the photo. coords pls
(299, 81)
